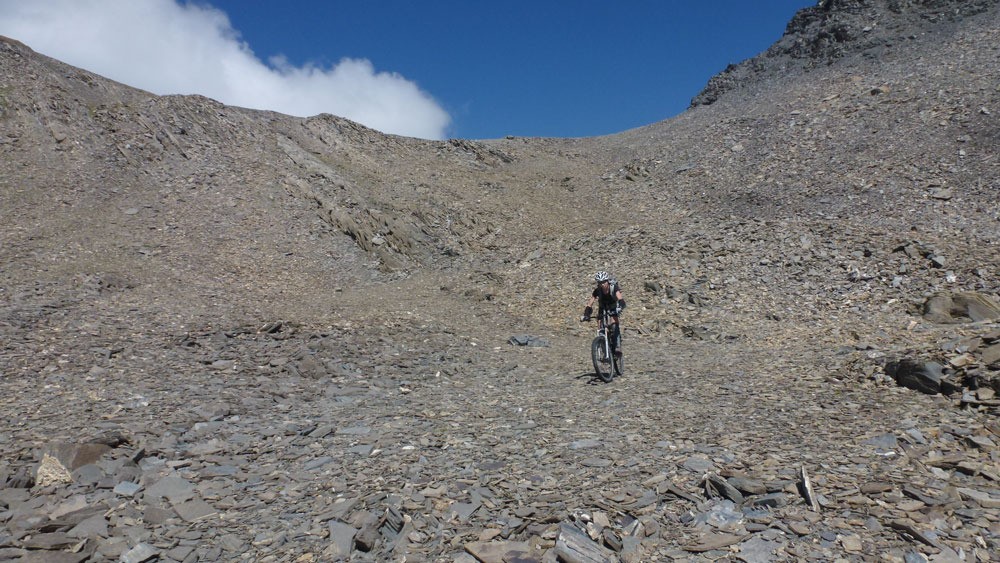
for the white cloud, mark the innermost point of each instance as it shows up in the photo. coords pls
(170, 48)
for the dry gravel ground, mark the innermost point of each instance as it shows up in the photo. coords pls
(235, 335)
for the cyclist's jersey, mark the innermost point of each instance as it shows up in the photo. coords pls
(607, 300)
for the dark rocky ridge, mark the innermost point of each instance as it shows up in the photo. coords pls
(835, 29)
(231, 334)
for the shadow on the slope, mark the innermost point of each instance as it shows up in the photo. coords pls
(592, 379)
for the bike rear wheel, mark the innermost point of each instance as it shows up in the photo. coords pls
(603, 365)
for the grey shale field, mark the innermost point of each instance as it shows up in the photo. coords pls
(236, 335)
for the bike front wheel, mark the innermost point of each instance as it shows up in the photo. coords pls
(602, 361)
(619, 364)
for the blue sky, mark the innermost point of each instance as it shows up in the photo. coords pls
(529, 68)
(433, 68)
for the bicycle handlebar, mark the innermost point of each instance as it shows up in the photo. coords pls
(609, 312)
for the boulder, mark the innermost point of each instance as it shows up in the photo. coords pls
(947, 308)
(917, 375)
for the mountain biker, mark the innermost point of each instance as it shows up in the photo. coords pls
(608, 295)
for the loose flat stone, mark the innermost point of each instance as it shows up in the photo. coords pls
(984, 499)
(223, 364)
(710, 542)
(322, 431)
(524, 511)
(127, 488)
(341, 507)
(220, 471)
(596, 462)
(916, 435)
(88, 475)
(724, 489)
(56, 540)
(175, 489)
(748, 486)
(354, 430)
(574, 545)
(151, 463)
(585, 444)
(74, 456)
(317, 463)
(670, 487)
(985, 394)
(913, 493)
(492, 465)
(908, 526)
(180, 553)
(757, 550)
(528, 340)
(814, 500)
(851, 544)
(47, 556)
(875, 488)
(488, 534)
(883, 442)
(368, 536)
(140, 553)
(95, 526)
(981, 442)
(204, 428)
(112, 548)
(648, 498)
(463, 511)
(773, 500)
(157, 516)
(232, 542)
(209, 447)
(698, 465)
(800, 528)
(194, 510)
(499, 552)
(12, 497)
(434, 492)
(910, 505)
(341, 537)
(72, 504)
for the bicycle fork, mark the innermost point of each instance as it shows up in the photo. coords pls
(608, 352)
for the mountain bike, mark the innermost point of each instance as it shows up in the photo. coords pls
(606, 364)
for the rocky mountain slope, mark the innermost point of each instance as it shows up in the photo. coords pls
(233, 334)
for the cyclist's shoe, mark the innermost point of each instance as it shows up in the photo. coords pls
(618, 354)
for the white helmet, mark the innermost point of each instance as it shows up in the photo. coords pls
(602, 276)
